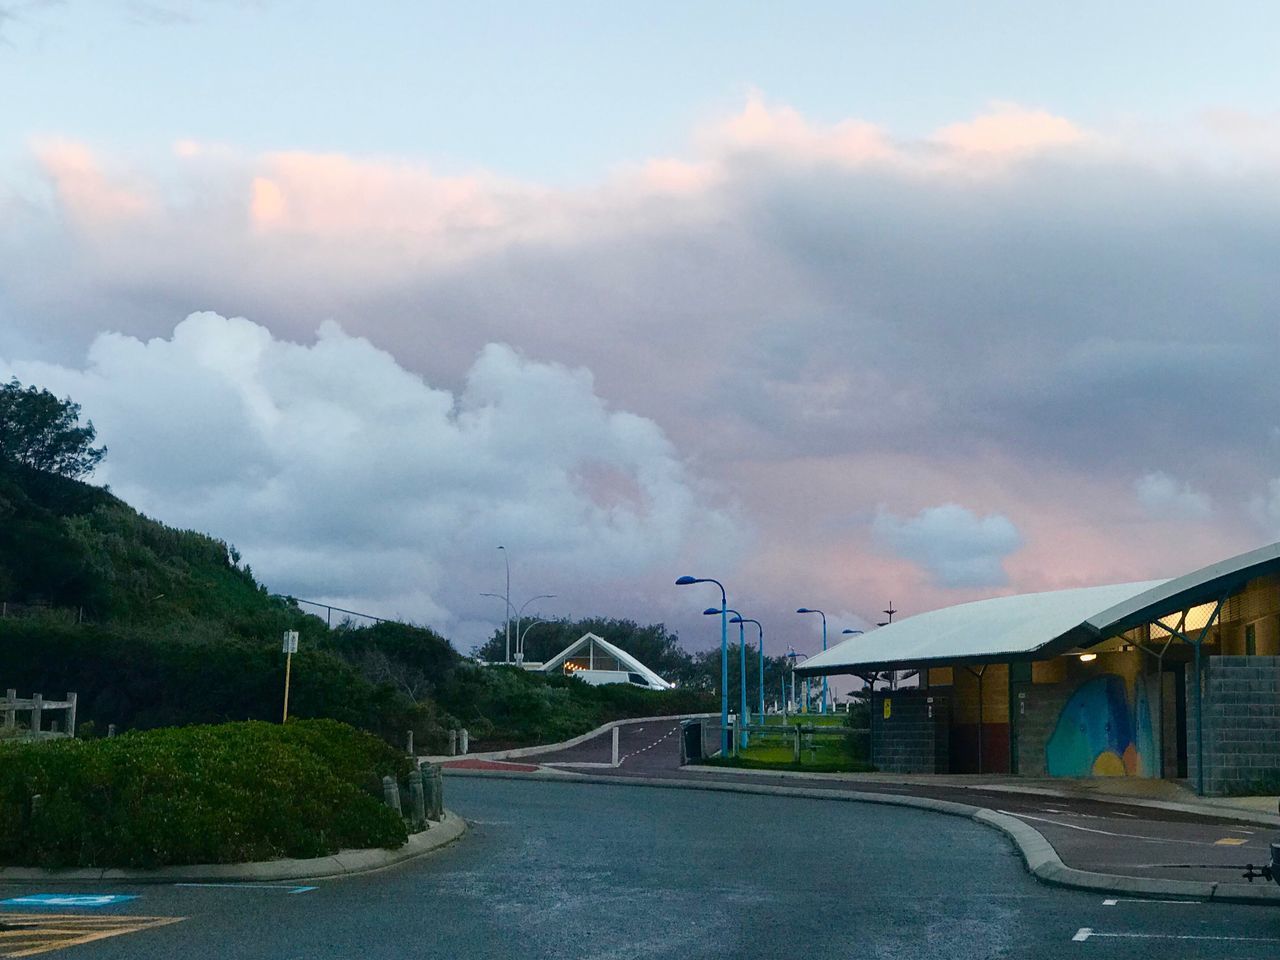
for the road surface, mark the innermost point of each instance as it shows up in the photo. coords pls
(564, 870)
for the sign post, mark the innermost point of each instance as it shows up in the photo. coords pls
(290, 648)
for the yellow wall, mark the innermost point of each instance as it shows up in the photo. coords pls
(995, 695)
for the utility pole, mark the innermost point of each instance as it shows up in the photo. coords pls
(507, 558)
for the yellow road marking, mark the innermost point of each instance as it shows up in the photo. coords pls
(32, 933)
(1230, 842)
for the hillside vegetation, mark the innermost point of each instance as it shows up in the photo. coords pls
(153, 626)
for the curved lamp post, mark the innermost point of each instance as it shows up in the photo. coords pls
(760, 650)
(724, 658)
(519, 617)
(822, 707)
(742, 669)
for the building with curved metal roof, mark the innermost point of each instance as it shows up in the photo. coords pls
(1173, 678)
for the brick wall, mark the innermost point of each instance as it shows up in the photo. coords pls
(1241, 722)
(910, 740)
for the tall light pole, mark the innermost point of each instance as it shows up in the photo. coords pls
(507, 559)
(742, 669)
(760, 648)
(519, 617)
(724, 657)
(822, 708)
(854, 633)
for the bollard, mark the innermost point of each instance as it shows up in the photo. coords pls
(464, 742)
(616, 761)
(436, 809)
(37, 804)
(453, 743)
(419, 801)
(391, 793)
(111, 729)
(409, 745)
(10, 709)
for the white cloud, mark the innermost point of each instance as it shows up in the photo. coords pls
(1265, 508)
(956, 546)
(1163, 497)
(341, 475)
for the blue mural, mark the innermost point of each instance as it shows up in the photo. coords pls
(1097, 734)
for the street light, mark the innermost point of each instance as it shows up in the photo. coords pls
(724, 657)
(742, 668)
(519, 617)
(760, 649)
(822, 708)
(506, 557)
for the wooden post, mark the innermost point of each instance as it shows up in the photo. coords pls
(464, 741)
(288, 670)
(419, 800)
(37, 707)
(391, 793)
(616, 761)
(453, 743)
(437, 792)
(71, 714)
(409, 745)
(111, 730)
(796, 751)
(10, 709)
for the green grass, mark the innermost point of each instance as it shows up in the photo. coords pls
(808, 720)
(829, 754)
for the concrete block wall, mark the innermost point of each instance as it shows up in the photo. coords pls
(910, 740)
(1241, 722)
(1036, 717)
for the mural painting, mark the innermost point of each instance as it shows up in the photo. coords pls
(1101, 734)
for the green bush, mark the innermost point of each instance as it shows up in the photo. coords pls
(205, 794)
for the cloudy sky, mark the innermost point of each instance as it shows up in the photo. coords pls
(841, 303)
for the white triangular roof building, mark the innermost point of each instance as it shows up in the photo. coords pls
(587, 645)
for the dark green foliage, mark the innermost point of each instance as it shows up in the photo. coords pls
(222, 794)
(506, 706)
(39, 431)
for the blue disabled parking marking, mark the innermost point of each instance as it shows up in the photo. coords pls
(68, 900)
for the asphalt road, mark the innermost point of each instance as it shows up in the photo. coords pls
(563, 870)
(1088, 834)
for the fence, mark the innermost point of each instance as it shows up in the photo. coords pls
(11, 706)
(13, 610)
(802, 741)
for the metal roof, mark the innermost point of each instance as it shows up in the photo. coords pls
(1036, 625)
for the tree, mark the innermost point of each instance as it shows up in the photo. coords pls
(44, 433)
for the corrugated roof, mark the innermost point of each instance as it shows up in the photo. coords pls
(1021, 626)
(627, 660)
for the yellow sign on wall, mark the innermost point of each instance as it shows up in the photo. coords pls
(888, 707)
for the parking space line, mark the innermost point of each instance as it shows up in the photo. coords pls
(28, 934)
(285, 888)
(1088, 933)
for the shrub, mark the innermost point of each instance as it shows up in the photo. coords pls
(205, 794)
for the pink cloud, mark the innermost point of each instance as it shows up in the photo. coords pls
(1010, 130)
(85, 191)
(783, 130)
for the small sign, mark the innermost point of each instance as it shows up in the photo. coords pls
(888, 707)
(68, 900)
(291, 641)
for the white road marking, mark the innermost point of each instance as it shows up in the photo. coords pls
(1112, 902)
(251, 886)
(1107, 833)
(1084, 933)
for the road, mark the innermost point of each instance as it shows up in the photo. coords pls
(564, 870)
(1088, 834)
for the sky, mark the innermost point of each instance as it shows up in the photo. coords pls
(843, 304)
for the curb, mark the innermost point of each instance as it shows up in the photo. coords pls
(1039, 856)
(515, 753)
(1205, 810)
(344, 863)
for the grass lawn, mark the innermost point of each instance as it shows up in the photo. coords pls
(830, 754)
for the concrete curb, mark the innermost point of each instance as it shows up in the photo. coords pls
(516, 753)
(1041, 859)
(344, 863)
(1209, 810)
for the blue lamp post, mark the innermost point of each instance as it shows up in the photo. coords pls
(742, 670)
(724, 657)
(822, 708)
(760, 650)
